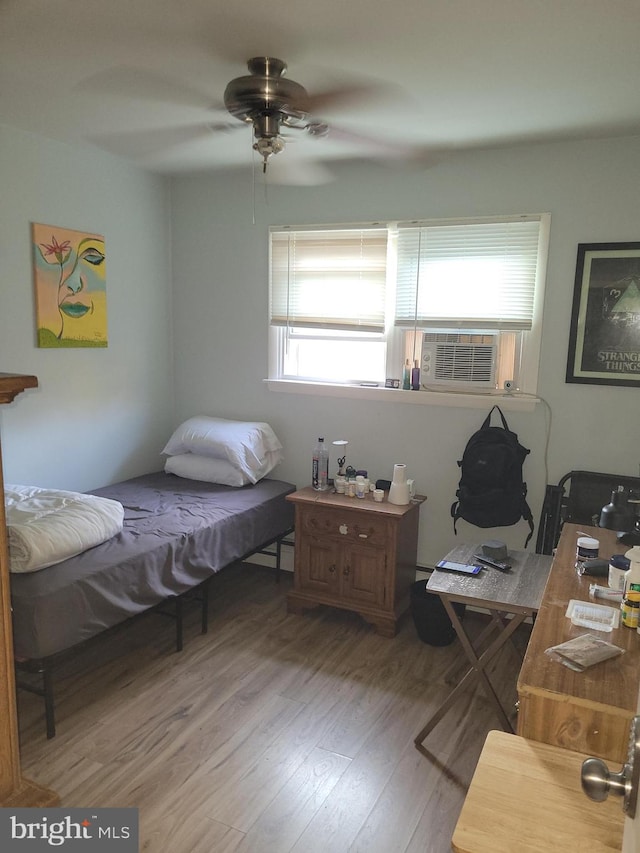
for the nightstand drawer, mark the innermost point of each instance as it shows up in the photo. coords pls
(346, 526)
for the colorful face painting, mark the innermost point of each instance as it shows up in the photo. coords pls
(70, 283)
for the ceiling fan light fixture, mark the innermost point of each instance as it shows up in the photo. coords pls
(266, 146)
(266, 129)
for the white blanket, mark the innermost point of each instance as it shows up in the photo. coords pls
(47, 526)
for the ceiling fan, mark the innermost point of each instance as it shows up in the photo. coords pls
(269, 101)
(276, 108)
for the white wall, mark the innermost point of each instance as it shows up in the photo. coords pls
(220, 316)
(99, 414)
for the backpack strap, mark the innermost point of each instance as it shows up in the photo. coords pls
(455, 515)
(487, 420)
(527, 515)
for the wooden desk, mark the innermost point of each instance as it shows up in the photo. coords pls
(590, 711)
(527, 796)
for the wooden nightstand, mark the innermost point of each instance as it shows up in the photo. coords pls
(355, 554)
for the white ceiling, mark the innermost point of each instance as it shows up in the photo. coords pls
(144, 79)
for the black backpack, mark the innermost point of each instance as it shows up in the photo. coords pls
(491, 491)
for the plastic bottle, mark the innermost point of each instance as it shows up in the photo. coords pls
(618, 568)
(631, 609)
(632, 582)
(320, 470)
(406, 376)
(415, 377)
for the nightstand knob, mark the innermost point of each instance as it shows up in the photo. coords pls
(332, 569)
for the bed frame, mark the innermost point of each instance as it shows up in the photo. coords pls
(177, 535)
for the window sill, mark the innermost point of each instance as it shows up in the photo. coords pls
(508, 402)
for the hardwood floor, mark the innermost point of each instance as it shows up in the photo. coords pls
(272, 733)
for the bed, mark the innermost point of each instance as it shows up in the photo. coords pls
(177, 534)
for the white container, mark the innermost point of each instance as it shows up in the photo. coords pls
(587, 548)
(618, 568)
(633, 575)
(598, 617)
(399, 493)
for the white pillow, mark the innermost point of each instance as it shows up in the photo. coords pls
(194, 467)
(252, 447)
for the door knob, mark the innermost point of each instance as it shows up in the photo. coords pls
(598, 781)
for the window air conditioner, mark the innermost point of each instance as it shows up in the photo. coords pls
(459, 359)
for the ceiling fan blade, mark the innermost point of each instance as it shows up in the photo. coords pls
(137, 144)
(378, 148)
(140, 83)
(342, 96)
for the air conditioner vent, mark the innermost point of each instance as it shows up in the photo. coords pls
(459, 359)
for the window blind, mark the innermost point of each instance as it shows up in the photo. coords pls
(331, 279)
(468, 275)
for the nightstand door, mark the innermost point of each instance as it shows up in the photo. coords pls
(317, 565)
(364, 575)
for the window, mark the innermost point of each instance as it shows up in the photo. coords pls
(463, 298)
(328, 290)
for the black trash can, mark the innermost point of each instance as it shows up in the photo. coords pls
(429, 616)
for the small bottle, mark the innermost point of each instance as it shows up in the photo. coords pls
(415, 377)
(406, 376)
(631, 609)
(320, 468)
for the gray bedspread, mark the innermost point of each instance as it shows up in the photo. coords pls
(176, 534)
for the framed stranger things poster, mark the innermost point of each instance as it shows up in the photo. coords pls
(604, 341)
